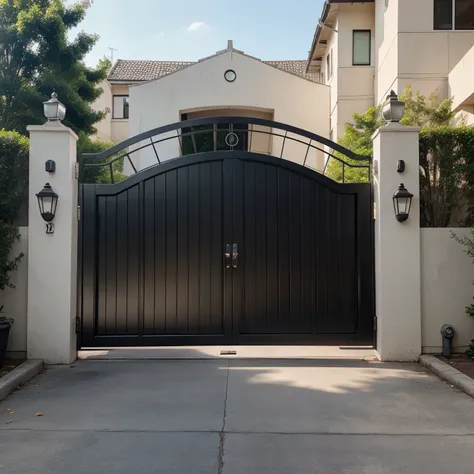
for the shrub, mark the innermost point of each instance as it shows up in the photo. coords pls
(446, 175)
(99, 175)
(14, 150)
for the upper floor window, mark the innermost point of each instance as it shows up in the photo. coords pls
(361, 47)
(121, 107)
(453, 15)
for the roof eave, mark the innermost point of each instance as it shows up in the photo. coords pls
(319, 28)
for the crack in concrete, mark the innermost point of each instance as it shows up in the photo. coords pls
(220, 469)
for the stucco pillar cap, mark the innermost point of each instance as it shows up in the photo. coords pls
(396, 128)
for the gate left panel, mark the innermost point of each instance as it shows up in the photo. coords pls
(152, 260)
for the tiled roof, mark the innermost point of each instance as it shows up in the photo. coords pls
(125, 70)
(298, 68)
(135, 71)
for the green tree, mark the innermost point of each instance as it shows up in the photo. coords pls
(426, 112)
(14, 150)
(99, 175)
(357, 138)
(38, 56)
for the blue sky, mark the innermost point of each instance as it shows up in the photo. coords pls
(177, 30)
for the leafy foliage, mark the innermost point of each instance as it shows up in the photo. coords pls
(468, 243)
(446, 175)
(13, 191)
(357, 138)
(99, 175)
(37, 56)
(425, 111)
(470, 350)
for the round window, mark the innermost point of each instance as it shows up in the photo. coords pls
(230, 75)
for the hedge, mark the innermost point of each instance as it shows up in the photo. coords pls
(14, 149)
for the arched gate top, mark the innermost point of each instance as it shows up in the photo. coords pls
(236, 128)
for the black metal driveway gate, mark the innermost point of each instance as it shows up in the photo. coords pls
(226, 246)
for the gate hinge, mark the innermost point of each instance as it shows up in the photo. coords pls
(78, 324)
(78, 213)
(375, 323)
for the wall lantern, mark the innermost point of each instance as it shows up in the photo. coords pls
(54, 111)
(402, 203)
(393, 109)
(47, 202)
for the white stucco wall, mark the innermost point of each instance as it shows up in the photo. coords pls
(293, 100)
(446, 276)
(352, 87)
(104, 102)
(14, 300)
(461, 85)
(410, 51)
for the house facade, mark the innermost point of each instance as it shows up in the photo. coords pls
(365, 49)
(361, 51)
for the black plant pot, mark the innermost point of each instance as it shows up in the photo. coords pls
(4, 331)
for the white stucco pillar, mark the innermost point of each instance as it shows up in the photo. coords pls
(397, 246)
(52, 259)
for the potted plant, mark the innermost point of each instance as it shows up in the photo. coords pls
(5, 325)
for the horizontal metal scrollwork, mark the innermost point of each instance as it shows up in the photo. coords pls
(235, 130)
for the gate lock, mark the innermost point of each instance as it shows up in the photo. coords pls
(448, 332)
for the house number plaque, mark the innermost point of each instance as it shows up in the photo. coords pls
(50, 228)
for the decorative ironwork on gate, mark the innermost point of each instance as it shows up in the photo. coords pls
(230, 134)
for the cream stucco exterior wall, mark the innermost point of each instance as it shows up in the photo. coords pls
(352, 87)
(15, 299)
(104, 102)
(410, 51)
(446, 288)
(258, 86)
(461, 85)
(110, 129)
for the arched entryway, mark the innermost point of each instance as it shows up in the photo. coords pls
(226, 246)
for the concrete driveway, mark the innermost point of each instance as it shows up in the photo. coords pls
(236, 417)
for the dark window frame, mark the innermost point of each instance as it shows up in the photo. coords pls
(354, 32)
(128, 108)
(452, 27)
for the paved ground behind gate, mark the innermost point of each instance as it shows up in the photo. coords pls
(236, 416)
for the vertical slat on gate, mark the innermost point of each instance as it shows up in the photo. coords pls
(321, 245)
(122, 263)
(160, 232)
(205, 245)
(227, 236)
(272, 244)
(295, 263)
(261, 241)
(283, 247)
(217, 243)
(111, 257)
(182, 291)
(238, 237)
(134, 256)
(306, 253)
(330, 324)
(347, 268)
(249, 261)
(194, 248)
(365, 262)
(148, 258)
(172, 249)
(102, 235)
(89, 276)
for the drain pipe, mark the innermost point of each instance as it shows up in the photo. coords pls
(447, 332)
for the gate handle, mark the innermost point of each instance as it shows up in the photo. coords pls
(235, 256)
(227, 256)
